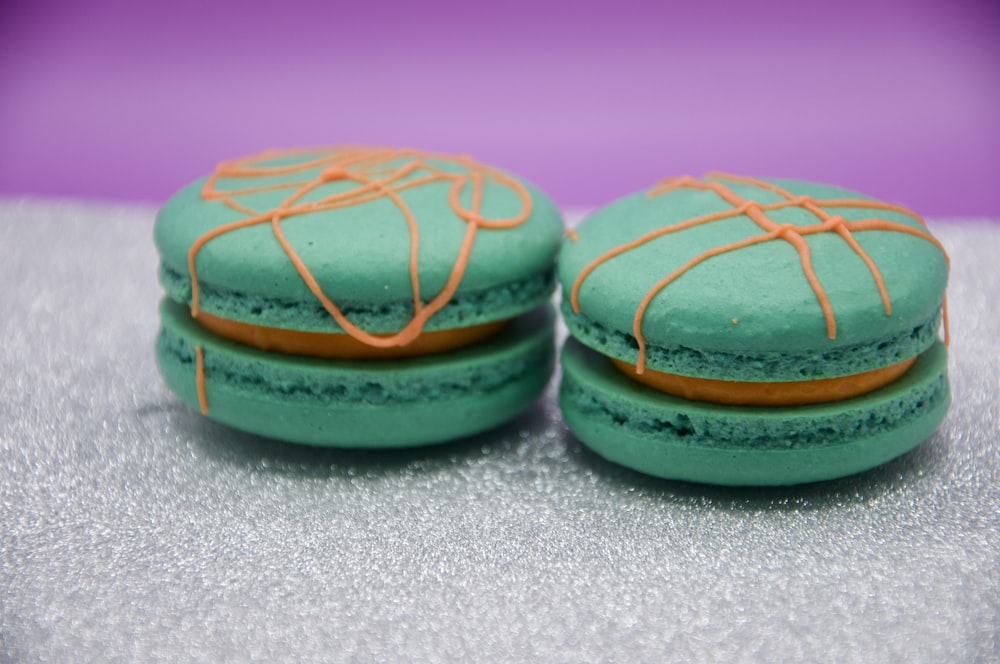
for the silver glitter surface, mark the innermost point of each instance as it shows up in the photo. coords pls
(132, 529)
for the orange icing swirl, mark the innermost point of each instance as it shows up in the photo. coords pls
(376, 176)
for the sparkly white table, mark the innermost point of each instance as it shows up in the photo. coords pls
(132, 529)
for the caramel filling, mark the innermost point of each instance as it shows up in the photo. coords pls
(342, 346)
(792, 393)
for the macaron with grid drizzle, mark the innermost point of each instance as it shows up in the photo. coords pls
(735, 330)
(357, 296)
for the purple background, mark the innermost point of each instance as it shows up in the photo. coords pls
(590, 100)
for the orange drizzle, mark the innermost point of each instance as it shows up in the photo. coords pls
(572, 235)
(199, 364)
(790, 233)
(378, 173)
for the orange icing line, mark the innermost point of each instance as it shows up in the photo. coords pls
(790, 233)
(872, 267)
(639, 241)
(572, 235)
(663, 283)
(944, 320)
(199, 372)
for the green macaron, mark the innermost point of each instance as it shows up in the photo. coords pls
(741, 331)
(357, 297)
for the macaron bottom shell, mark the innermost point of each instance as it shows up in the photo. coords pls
(674, 438)
(359, 404)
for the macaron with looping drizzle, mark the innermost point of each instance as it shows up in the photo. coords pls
(357, 296)
(742, 331)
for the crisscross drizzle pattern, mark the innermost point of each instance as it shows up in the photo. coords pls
(377, 173)
(772, 230)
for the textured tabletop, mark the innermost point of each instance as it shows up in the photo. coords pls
(132, 529)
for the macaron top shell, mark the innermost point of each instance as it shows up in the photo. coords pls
(363, 222)
(741, 293)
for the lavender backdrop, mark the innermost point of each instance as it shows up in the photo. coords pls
(591, 100)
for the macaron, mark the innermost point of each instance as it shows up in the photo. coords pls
(742, 331)
(359, 297)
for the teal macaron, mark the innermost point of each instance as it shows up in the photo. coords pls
(357, 297)
(744, 331)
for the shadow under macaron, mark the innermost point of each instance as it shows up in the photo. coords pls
(230, 446)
